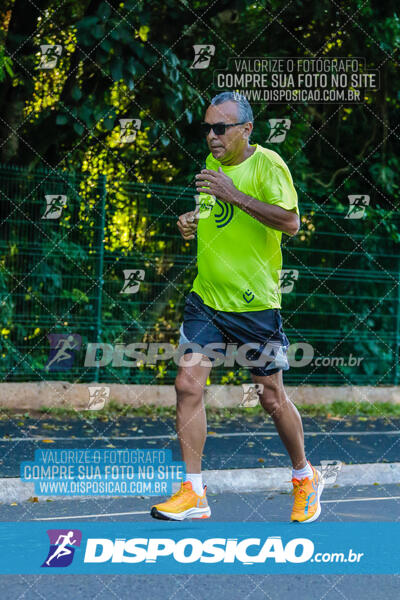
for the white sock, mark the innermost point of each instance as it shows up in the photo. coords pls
(301, 473)
(196, 479)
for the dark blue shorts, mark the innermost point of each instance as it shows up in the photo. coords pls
(261, 344)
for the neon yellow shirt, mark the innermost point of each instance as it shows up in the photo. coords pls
(239, 258)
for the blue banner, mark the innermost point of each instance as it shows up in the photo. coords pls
(190, 547)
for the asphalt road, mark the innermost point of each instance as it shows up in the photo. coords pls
(245, 442)
(237, 443)
(200, 587)
(339, 504)
(358, 503)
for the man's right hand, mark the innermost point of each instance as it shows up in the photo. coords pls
(187, 224)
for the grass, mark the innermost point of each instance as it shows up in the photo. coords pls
(362, 410)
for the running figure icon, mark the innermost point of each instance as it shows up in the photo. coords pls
(62, 549)
(64, 346)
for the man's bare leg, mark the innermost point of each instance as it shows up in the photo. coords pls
(191, 421)
(191, 427)
(285, 416)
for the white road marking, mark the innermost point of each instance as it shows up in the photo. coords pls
(135, 512)
(131, 438)
(361, 499)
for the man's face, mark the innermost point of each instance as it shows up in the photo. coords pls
(232, 143)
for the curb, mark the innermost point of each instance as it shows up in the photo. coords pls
(64, 394)
(278, 479)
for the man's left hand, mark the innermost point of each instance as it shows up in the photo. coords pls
(216, 183)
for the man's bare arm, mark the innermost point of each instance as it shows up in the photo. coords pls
(268, 214)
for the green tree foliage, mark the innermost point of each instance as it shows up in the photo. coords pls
(132, 59)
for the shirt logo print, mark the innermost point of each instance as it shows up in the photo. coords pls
(225, 215)
(248, 296)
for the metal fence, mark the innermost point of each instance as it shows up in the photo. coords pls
(68, 244)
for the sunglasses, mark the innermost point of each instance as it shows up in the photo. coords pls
(218, 128)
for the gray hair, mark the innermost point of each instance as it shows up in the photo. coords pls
(245, 114)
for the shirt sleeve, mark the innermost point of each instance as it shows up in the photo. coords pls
(276, 185)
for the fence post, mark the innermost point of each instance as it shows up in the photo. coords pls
(397, 338)
(100, 263)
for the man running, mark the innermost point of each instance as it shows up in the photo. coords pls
(235, 297)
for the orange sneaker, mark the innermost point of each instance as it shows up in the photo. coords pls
(184, 504)
(306, 492)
